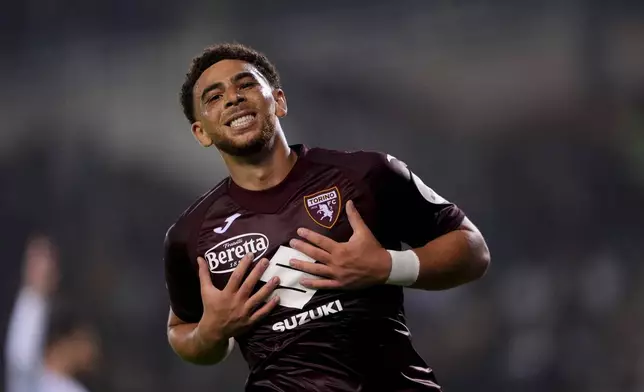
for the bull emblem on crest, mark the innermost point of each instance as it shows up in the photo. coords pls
(326, 212)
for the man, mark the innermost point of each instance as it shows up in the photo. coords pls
(297, 254)
(43, 353)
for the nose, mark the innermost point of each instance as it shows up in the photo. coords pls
(234, 98)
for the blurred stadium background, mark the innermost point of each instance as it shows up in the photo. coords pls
(529, 115)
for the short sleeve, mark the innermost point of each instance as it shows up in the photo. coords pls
(412, 211)
(182, 278)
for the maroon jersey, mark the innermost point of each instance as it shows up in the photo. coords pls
(315, 340)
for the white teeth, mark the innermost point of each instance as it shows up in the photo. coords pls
(242, 121)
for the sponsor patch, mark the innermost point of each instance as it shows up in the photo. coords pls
(292, 294)
(310, 315)
(226, 255)
(324, 206)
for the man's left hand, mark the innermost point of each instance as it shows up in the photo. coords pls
(358, 263)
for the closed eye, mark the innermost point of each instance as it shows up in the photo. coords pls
(213, 97)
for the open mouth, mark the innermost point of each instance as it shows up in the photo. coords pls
(241, 121)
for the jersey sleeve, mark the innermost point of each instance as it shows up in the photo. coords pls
(182, 278)
(413, 211)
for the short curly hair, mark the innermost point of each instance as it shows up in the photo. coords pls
(216, 53)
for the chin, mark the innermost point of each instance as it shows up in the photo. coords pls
(244, 148)
(251, 142)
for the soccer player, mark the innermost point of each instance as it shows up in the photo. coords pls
(46, 349)
(297, 254)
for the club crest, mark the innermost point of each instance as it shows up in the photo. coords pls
(324, 206)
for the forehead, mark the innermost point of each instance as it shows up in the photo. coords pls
(223, 71)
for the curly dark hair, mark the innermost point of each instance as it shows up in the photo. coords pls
(216, 53)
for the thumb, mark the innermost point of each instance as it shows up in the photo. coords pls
(204, 274)
(355, 220)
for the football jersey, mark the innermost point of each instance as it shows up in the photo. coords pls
(314, 340)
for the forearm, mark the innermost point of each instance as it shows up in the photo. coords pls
(451, 260)
(25, 335)
(186, 341)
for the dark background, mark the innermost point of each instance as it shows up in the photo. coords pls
(529, 115)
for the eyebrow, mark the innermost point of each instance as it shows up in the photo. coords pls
(217, 85)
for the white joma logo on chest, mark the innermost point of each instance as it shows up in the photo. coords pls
(229, 221)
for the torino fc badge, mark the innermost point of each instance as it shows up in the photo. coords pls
(324, 206)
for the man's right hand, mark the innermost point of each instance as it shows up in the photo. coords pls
(41, 266)
(228, 312)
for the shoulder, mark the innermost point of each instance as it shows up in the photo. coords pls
(376, 169)
(363, 163)
(179, 230)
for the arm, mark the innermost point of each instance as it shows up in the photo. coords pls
(447, 249)
(28, 321)
(186, 306)
(185, 340)
(26, 332)
(204, 320)
(452, 259)
(450, 249)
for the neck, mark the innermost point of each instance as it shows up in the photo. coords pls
(58, 364)
(265, 170)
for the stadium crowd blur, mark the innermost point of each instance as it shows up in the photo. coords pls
(530, 117)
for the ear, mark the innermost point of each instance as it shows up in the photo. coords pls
(200, 134)
(280, 103)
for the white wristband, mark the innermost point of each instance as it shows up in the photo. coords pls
(405, 266)
(231, 347)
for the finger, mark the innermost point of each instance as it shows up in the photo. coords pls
(317, 284)
(252, 278)
(204, 275)
(310, 250)
(264, 310)
(316, 269)
(238, 274)
(263, 293)
(355, 220)
(318, 239)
